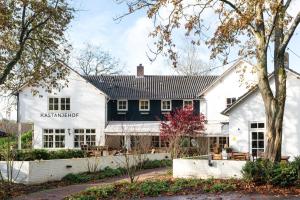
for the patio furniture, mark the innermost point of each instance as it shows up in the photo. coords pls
(240, 156)
(217, 156)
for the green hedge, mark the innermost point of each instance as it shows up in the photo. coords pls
(265, 172)
(42, 154)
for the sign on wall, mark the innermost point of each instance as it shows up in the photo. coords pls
(62, 115)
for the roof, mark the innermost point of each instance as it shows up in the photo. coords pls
(251, 91)
(236, 64)
(132, 128)
(151, 87)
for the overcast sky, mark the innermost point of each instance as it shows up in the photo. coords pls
(128, 39)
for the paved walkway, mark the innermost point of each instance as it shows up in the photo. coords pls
(61, 192)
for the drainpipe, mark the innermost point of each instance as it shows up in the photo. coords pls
(19, 123)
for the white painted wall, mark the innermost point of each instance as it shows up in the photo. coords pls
(194, 168)
(252, 109)
(86, 100)
(234, 83)
(41, 171)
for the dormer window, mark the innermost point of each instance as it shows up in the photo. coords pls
(122, 105)
(230, 101)
(144, 105)
(187, 103)
(166, 105)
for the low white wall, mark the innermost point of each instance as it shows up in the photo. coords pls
(33, 172)
(193, 168)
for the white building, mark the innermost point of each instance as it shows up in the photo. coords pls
(247, 120)
(113, 110)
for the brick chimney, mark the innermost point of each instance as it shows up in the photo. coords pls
(140, 70)
(286, 60)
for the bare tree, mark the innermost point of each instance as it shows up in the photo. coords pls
(251, 26)
(189, 62)
(93, 60)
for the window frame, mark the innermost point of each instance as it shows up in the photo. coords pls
(161, 105)
(54, 141)
(59, 104)
(231, 102)
(85, 134)
(118, 103)
(258, 130)
(187, 100)
(140, 109)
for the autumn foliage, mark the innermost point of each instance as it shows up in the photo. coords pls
(181, 123)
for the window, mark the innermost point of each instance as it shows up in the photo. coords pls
(221, 142)
(166, 105)
(155, 141)
(53, 103)
(59, 104)
(230, 101)
(65, 103)
(54, 138)
(144, 105)
(257, 138)
(187, 103)
(84, 136)
(122, 105)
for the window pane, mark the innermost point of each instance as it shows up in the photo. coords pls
(261, 125)
(253, 125)
(261, 144)
(260, 135)
(254, 135)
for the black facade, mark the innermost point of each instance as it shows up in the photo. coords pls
(134, 114)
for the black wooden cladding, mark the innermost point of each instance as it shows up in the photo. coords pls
(134, 114)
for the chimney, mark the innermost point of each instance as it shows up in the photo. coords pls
(286, 60)
(140, 71)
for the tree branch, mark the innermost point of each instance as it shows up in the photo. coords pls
(290, 33)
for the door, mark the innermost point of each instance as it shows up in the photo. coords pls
(257, 138)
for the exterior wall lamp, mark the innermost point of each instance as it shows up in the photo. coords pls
(69, 131)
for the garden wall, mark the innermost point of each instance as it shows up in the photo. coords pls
(195, 168)
(41, 171)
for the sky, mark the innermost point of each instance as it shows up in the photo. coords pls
(128, 39)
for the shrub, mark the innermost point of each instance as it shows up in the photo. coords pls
(85, 177)
(102, 192)
(264, 171)
(77, 178)
(153, 188)
(42, 154)
(151, 164)
(258, 171)
(180, 184)
(36, 154)
(284, 174)
(26, 140)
